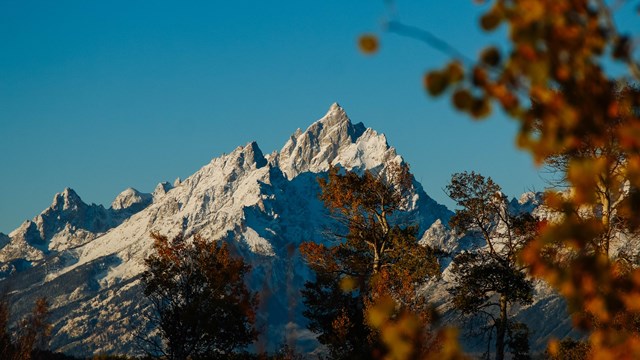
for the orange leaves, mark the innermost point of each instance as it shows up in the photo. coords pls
(462, 99)
(400, 333)
(454, 72)
(490, 20)
(529, 11)
(318, 256)
(581, 174)
(342, 324)
(364, 300)
(556, 48)
(368, 44)
(404, 334)
(448, 346)
(198, 282)
(436, 83)
(609, 345)
(490, 56)
(550, 79)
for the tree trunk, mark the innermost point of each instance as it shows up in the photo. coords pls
(501, 328)
(606, 220)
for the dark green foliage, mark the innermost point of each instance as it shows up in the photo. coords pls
(479, 276)
(203, 307)
(518, 340)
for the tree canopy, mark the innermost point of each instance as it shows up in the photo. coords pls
(488, 280)
(200, 300)
(554, 79)
(377, 259)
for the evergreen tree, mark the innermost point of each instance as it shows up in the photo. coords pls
(202, 305)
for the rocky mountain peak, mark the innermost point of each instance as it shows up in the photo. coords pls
(131, 197)
(335, 115)
(161, 190)
(316, 148)
(253, 155)
(93, 257)
(68, 199)
(240, 160)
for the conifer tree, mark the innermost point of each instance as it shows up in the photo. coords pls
(201, 302)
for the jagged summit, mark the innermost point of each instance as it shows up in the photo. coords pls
(263, 206)
(252, 154)
(161, 190)
(331, 140)
(68, 199)
(335, 115)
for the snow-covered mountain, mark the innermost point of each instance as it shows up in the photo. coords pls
(87, 259)
(67, 223)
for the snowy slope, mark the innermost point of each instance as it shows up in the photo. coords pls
(546, 317)
(67, 223)
(87, 259)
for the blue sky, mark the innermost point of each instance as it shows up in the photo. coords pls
(102, 95)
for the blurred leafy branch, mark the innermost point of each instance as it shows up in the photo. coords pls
(552, 79)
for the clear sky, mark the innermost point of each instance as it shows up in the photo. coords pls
(103, 95)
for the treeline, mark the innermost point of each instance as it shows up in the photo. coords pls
(365, 300)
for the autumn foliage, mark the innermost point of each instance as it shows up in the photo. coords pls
(375, 261)
(200, 300)
(554, 78)
(30, 338)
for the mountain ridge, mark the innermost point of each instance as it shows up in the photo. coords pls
(263, 205)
